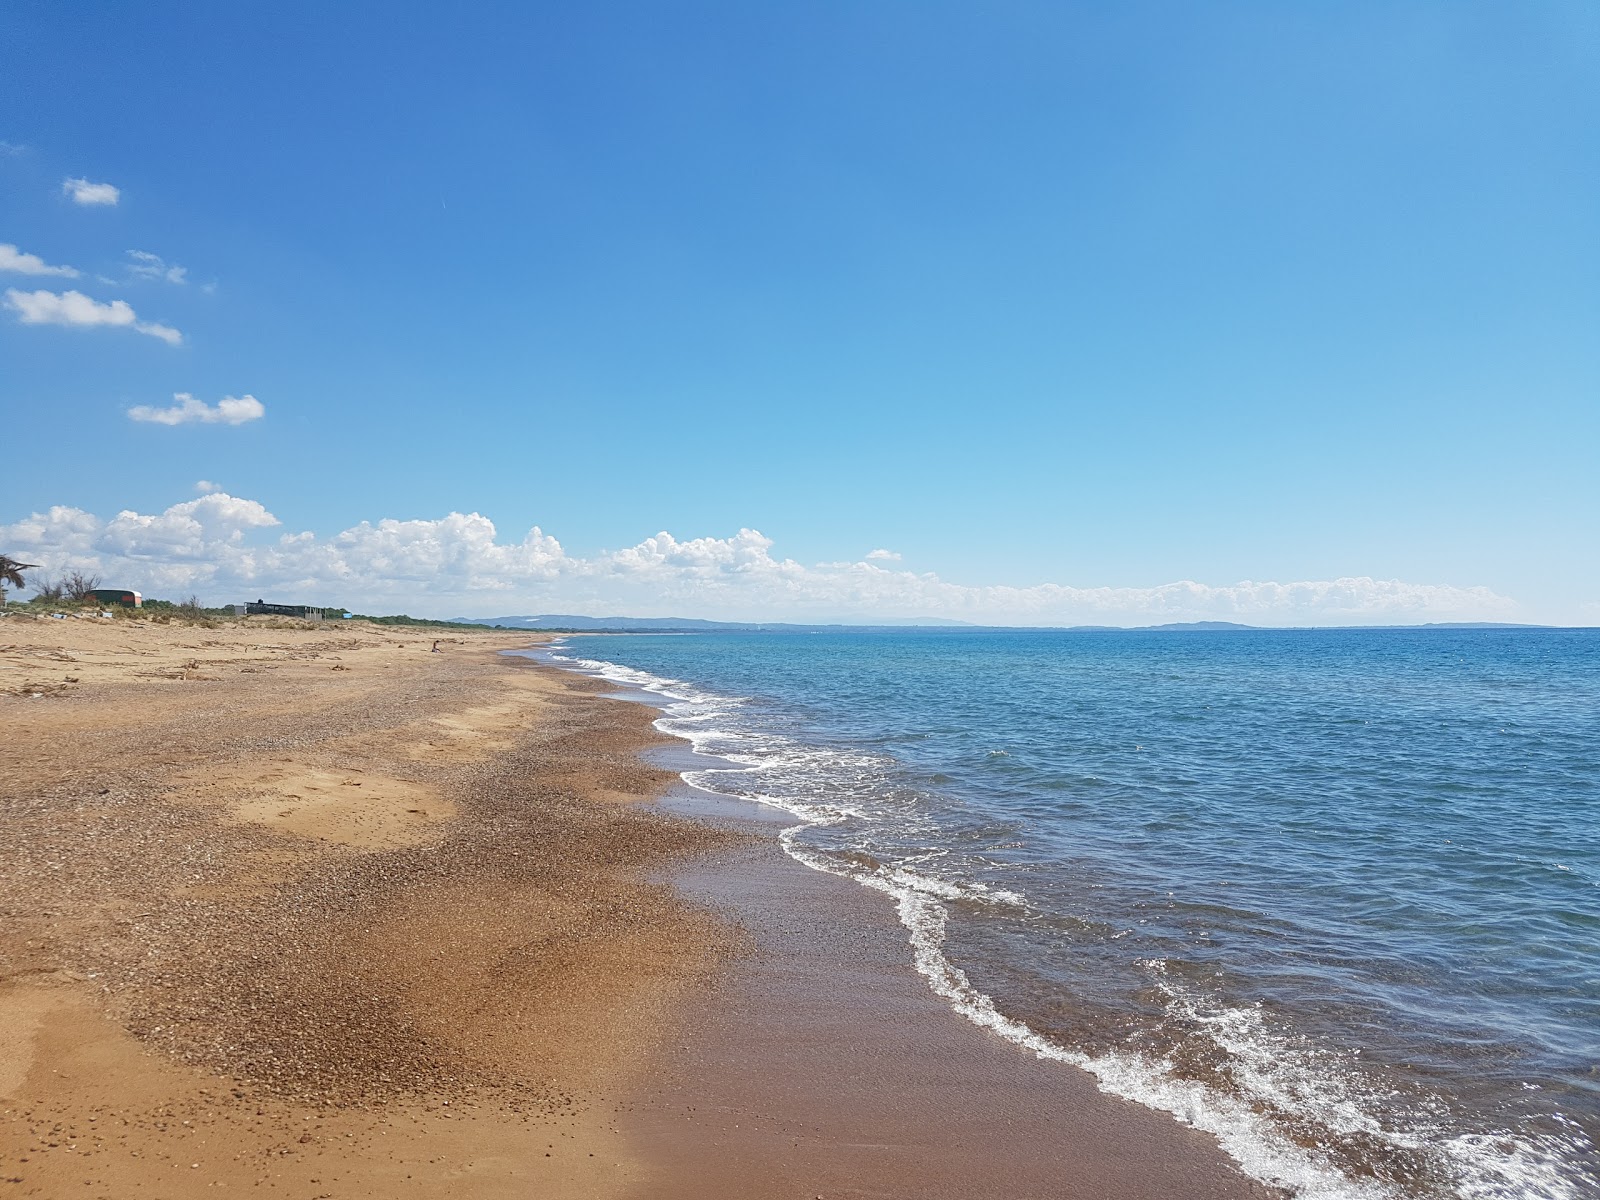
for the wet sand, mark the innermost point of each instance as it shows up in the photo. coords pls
(830, 1068)
(315, 911)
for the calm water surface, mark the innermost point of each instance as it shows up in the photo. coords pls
(1331, 895)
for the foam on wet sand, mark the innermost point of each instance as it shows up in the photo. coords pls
(320, 911)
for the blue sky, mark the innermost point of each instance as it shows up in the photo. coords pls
(1061, 304)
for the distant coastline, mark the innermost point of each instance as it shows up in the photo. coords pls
(573, 623)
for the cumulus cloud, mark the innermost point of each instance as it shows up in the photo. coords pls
(205, 487)
(81, 191)
(144, 265)
(74, 308)
(882, 555)
(14, 260)
(186, 410)
(219, 546)
(192, 531)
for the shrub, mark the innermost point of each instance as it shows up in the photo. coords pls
(79, 587)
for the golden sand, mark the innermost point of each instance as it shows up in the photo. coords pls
(319, 911)
(314, 911)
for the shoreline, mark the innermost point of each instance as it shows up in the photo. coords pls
(317, 911)
(830, 1068)
(865, 1081)
(1193, 984)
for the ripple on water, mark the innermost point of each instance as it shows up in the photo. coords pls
(1331, 896)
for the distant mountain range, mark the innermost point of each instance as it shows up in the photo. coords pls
(569, 622)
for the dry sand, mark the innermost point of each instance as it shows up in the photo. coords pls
(318, 911)
(311, 910)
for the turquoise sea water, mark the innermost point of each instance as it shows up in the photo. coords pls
(1332, 895)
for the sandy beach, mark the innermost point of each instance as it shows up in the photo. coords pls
(316, 910)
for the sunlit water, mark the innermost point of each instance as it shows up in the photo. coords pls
(1332, 896)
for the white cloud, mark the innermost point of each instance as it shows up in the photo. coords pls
(66, 308)
(882, 555)
(145, 265)
(215, 546)
(194, 530)
(83, 192)
(230, 410)
(74, 308)
(14, 260)
(205, 487)
(166, 333)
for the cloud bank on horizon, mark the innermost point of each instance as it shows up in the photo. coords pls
(218, 546)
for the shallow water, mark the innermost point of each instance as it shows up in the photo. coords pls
(1332, 895)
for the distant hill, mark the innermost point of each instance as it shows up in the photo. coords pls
(1195, 625)
(570, 621)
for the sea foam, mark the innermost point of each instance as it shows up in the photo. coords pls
(1284, 1089)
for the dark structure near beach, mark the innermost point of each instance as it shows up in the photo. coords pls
(122, 596)
(261, 608)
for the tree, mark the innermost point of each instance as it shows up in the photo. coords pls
(80, 587)
(11, 573)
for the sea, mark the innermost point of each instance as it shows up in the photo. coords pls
(1332, 896)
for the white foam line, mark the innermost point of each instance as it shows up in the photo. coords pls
(1488, 1172)
(1241, 1133)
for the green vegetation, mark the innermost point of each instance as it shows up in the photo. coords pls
(182, 610)
(402, 619)
(72, 595)
(11, 574)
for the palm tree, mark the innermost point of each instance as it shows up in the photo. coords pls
(11, 574)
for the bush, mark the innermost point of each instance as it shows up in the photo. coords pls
(164, 612)
(420, 622)
(80, 587)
